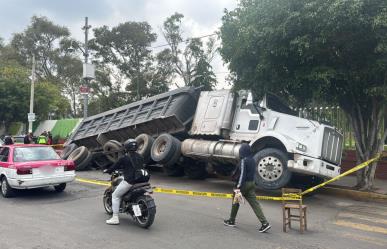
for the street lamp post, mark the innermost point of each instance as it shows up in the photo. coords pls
(88, 68)
(31, 114)
(85, 68)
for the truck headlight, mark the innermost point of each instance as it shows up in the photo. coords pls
(301, 147)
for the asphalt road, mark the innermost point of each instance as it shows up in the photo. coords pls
(43, 219)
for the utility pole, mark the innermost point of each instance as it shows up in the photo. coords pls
(31, 114)
(86, 79)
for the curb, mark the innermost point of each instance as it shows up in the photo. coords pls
(353, 194)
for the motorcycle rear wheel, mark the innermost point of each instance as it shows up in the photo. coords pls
(107, 201)
(148, 214)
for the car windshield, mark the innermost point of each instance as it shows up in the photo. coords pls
(25, 154)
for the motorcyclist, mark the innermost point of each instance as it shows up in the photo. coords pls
(128, 163)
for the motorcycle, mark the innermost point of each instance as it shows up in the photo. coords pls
(137, 202)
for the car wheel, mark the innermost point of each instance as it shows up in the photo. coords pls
(272, 169)
(6, 190)
(145, 142)
(60, 188)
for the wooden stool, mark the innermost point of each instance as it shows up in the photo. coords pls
(288, 205)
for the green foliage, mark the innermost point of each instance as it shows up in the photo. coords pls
(192, 62)
(332, 51)
(127, 48)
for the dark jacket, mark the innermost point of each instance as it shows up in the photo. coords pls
(246, 166)
(128, 169)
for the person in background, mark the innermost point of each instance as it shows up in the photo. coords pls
(246, 186)
(49, 140)
(8, 140)
(42, 139)
(28, 138)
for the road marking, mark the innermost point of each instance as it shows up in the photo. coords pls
(362, 227)
(376, 241)
(95, 182)
(363, 217)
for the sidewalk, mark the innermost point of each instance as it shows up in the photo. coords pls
(348, 182)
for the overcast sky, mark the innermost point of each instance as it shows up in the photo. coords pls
(202, 17)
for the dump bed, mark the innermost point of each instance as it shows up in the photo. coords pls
(170, 112)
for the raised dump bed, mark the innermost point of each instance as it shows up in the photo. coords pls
(170, 112)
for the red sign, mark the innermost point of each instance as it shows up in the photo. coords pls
(84, 89)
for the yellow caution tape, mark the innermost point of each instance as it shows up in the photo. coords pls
(284, 197)
(356, 168)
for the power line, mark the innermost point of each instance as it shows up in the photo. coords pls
(186, 40)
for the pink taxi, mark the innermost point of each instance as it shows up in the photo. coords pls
(24, 166)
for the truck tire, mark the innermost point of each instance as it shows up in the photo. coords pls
(195, 170)
(100, 161)
(67, 150)
(116, 147)
(84, 165)
(78, 155)
(166, 149)
(145, 143)
(272, 169)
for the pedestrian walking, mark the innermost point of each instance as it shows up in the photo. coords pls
(245, 186)
(49, 140)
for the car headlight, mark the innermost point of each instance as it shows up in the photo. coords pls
(301, 147)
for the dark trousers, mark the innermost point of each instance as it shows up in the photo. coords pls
(248, 192)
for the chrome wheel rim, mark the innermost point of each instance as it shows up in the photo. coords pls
(3, 187)
(270, 168)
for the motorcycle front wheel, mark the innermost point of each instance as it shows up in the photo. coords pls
(107, 201)
(148, 212)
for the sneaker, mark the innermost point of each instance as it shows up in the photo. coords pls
(114, 220)
(264, 228)
(229, 223)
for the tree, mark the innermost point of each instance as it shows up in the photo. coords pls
(127, 48)
(41, 38)
(192, 63)
(334, 51)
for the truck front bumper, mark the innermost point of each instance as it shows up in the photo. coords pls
(312, 166)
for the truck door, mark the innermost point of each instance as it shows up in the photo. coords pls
(247, 119)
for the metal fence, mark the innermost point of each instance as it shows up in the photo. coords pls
(333, 116)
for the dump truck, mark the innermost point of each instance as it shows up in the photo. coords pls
(190, 131)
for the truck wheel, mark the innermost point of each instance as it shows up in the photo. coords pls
(99, 161)
(113, 150)
(85, 163)
(166, 149)
(195, 169)
(272, 169)
(145, 143)
(67, 150)
(78, 155)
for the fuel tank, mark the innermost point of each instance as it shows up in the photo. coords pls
(216, 151)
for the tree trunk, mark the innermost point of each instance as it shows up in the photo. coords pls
(369, 134)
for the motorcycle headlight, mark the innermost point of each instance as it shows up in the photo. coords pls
(301, 147)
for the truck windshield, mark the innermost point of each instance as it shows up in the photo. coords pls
(276, 104)
(27, 154)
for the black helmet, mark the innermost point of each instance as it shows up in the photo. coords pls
(130, 145)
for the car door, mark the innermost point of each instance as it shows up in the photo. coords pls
(4, 158)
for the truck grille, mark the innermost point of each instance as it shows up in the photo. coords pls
(332, 146)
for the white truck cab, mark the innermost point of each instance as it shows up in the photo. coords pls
(282, 142)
